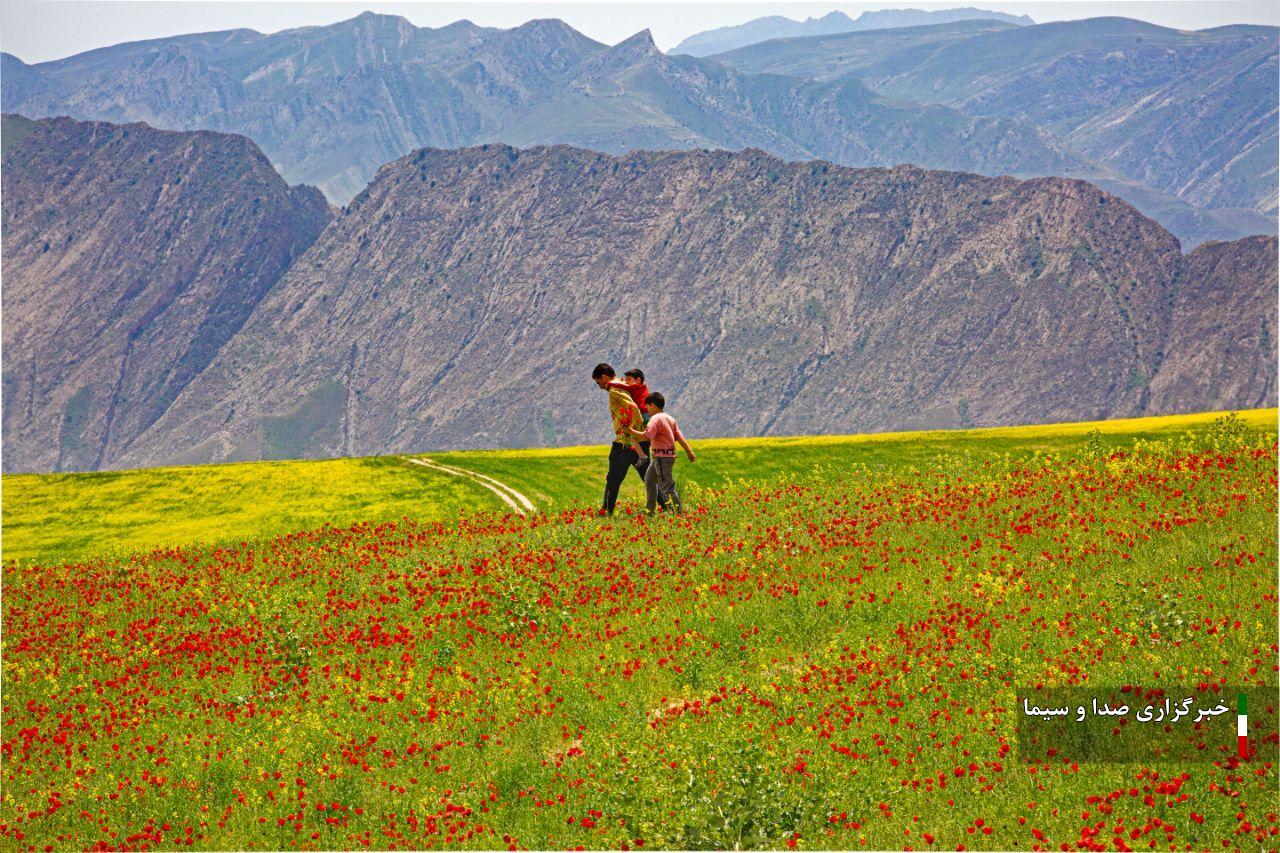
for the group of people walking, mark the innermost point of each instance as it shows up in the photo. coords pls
(645, 438)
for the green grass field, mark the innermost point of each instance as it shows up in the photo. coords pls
(829, 656)
(60, 517)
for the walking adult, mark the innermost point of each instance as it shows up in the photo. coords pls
(623, 454)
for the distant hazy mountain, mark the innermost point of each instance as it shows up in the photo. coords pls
(131, 255)
(1180, 124)
(1188, 114)
(633, 96)
(329, 105)
(779, 27)
(461, 300)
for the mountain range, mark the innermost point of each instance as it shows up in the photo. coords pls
(168, 300)
(1182, 125)
(131, 256)
(773, 27)
(1191, 114)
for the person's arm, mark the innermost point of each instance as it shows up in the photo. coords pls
(688, 451)
(648, 433)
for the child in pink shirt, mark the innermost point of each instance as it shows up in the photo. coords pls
(663, 434)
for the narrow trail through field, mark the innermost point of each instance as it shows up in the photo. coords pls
(512, 498)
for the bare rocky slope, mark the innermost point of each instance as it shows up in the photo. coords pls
(1222, 342)
(462, 299)
(131, 255)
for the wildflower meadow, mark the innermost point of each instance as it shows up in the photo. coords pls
(826, 658)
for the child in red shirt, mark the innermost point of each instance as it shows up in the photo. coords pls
(633, 384)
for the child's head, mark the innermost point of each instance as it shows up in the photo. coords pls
(635, 376)
(655, 403)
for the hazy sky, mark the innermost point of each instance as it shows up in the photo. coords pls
(38, 30)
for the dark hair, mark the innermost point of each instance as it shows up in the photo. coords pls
(657, 399)
(636, 372)
(602, 369)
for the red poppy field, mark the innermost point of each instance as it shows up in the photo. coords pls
(821, 662)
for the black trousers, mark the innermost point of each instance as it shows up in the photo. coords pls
(621, 460)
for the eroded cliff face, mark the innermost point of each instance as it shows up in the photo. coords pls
(463, 298)
(131, 256)
(1222, 342)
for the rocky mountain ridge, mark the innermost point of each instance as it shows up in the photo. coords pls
(169, 301)
(774, 27)
(131, 255)
(331, 104)
(462, 298)
(1189, 114)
